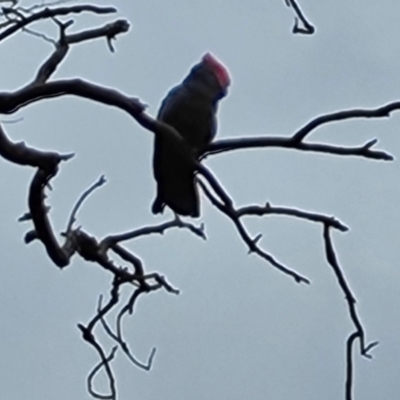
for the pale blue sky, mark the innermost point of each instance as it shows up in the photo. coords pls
(239, 329)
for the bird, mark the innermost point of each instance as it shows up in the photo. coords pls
(190, 108)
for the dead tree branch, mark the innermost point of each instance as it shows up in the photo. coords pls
(307, 28)
(228, 209)
(47, 167)
(379, 112)
(10, 102)
(365, 150)
(48, 13)
(268, 209)
(351, 304)
(150, 230)
(77, 241)
(105, 362)
(100, 182)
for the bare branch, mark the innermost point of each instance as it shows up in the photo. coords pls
(43, 229)
(50, 65)
(308, 28)
(43, 4)
(103, 311)
(109, 31)
(100, 182)
(380, 112)
(21, 154)
(161, 283)
(227, 208)
(365, 150)
(11, 102)
(349, 365)
(124, 345)
(52, 12)
(105, 362)
(349, 297)
(156, 229)
(127, 256)
(118, 338)
(39, 35)
(268, 209)
(47, 167)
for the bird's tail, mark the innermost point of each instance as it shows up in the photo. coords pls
(177, 189)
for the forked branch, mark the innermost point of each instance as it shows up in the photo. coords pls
(48, 13)
(351, 304)
(307, 28)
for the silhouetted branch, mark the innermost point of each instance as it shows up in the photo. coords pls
(47, 167)
(100, 182)
(308, 29)
(96, 251)
(379, 112)
(226, 208)
(124, 345)
(128, 308)
(50, 13)
(109, 31)
(39, 35)
(43, 4)
(11, 102)
(127, 256)
(21, 154)
(118, 337)
(50, 65)
(105, 362)
(103, 311)
(349, 365)
(365, 150)
(351, 303)
(60, 255)
(156, 229)
(161, 282)
(268, 209)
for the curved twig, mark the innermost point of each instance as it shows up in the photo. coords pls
(100, 182)
(226, 207)
(379, 112)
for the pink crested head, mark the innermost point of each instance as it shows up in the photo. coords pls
(219, 69)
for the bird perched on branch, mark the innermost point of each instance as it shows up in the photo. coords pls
(191, 109)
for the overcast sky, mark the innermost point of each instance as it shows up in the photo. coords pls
(239, 329)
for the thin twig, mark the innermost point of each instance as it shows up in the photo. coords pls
(43, 4)
(227, 209)
(105, 362)
(100, 182)
(294, 143)
(269, 209)
(53, 12)
(349, 365)
(379, 112)
(155, 229)
(308, 28)
(351, 304)
(39, 35)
